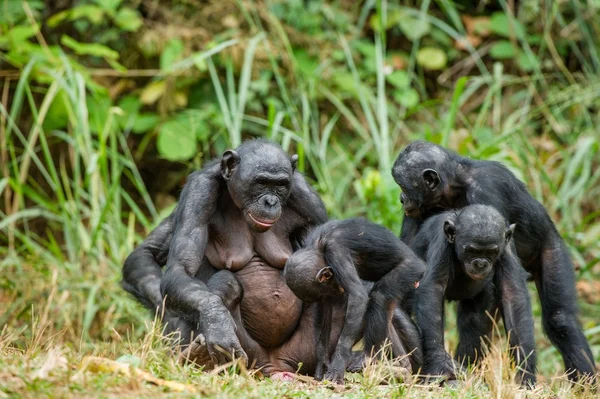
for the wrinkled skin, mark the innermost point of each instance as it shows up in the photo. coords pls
(471, 260)
(337, 258)
(224, 246)
(434, 179)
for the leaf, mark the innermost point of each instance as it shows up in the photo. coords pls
(171, 54)
(501, 25)
(145, 122)
(502, 50)
(93, 49)
(176, 142)
(527, 63)
(19, 34)
(398, 79)
(306, 64)
(408, 98)
(128, 19)
(431, 58)
(153, 92)
(414, 28)
(109, 5)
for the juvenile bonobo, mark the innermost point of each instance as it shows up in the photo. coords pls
(434, 179)
(336, 257)
(471, 259)
(224, 246)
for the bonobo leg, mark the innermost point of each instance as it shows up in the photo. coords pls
(409, 335)
(384, 298)
(517, 317)
(555, 281)
(474, 321)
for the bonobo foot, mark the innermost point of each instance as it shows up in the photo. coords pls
(197, 353)
(200, 353)
(357, 362)
(440, 366)
(335, 376)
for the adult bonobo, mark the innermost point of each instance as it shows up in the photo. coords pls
(224, 246)
(471, 259)
(433, 179)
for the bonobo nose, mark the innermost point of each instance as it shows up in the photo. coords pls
(270, 200)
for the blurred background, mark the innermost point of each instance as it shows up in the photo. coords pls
(106, 106)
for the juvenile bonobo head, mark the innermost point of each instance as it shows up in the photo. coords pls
(419, 170)
(259, 179)
(309, 278)
(480, 235)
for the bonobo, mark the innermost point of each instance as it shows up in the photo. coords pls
(336, 256)
(471, 259)
(434, 179)
(225, 245)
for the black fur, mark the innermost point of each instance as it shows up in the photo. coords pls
(336, 257)
(457, 182)
(256, 182)
(471, 259)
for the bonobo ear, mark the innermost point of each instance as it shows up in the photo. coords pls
(432, 179)
(294, 161)
(450, 231)
(324, 275)
(509, 232)
(229, 161)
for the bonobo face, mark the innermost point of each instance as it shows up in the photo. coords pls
(259, 181)
(417, 172)
(309, 278)
(480, 235)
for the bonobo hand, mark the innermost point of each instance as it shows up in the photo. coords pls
(320, 370)
(218, 328)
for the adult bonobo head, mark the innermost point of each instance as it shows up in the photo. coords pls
(309, 277)
(480, 235)
(421, 171)
(259, 175)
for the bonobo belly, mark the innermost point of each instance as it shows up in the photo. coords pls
(270, 311)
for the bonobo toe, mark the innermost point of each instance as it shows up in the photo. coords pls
(335, 376)
(197, 353)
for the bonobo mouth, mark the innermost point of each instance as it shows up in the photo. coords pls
(478, 276)
(262, 223)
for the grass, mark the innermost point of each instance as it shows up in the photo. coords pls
(73, 203)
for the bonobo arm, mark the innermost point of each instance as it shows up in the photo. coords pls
(323, 329)
(357, 300)
(307, 204)
(142, 270)
(409, 230)
(516, 314)
(429, 309)
(185, 295)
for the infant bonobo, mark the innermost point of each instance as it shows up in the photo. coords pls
(471, 259)
(336, 257)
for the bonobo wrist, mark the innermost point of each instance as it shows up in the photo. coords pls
(213, 312)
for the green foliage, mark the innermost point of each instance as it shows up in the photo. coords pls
(104, 87)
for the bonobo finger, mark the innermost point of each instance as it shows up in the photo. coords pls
(240, 355)
(220, 354)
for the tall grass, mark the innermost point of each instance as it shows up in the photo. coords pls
(74, 204)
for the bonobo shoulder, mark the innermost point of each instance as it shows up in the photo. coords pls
(200, 193)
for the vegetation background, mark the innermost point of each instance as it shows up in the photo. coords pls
(106, 106)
